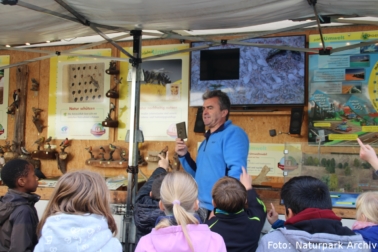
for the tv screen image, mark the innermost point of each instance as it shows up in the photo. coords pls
(267, 76)
(219, 64)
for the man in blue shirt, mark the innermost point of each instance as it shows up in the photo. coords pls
(223, 152)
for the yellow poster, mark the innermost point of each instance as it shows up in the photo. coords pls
(4, 91)
(77, 100)
(163, 93)
(277, 157)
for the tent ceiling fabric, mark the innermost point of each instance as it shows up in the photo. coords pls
(20, 24)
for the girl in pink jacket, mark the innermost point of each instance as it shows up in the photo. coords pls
(180, 230)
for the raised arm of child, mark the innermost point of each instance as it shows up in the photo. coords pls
(256, 207)
(272, 217)
(368, 154)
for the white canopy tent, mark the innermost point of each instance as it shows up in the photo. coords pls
(36, 21)
(76, 21)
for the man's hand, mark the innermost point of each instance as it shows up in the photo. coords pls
(245, 179)
(181, 149)
(163, 162)
(272, 215)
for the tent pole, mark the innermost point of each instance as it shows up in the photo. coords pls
(132, 169)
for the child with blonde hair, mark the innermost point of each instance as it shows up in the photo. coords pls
(78, 216)
(180, 230)
(367, 218)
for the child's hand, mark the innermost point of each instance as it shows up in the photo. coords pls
(211, 215)
(163, 162)
(245, 179)
(367, 153)
(272, 215)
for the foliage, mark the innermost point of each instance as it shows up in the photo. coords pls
(340, 166)
(333, 182)
(330, 169)
(325, 179)
(309, 161)
(347, 171)
(356, 163)
(346, 165)
(324, 162)
(333, 163)
(366, 165)
(348, 187)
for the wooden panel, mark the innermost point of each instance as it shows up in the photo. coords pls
(82, 83)
(256, 124)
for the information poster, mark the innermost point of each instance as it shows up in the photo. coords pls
(343, 90)
(77, 101)
(277, 157)
(163, 93)
(4, 91)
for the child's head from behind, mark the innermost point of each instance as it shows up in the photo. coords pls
(367, 205)
(155, 187)
(229, 195)
(80, 192)
(19, 174)
(302, 192)
(178, 189)
(178, 196)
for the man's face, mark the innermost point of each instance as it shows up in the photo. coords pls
(31, 180)
(212, 115)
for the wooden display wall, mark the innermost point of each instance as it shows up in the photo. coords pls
(256, 124)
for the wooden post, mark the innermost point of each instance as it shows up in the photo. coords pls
(20, 116)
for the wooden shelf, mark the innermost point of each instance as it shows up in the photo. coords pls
(107, 163)
(44, 154)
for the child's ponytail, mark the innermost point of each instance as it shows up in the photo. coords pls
(179, 197)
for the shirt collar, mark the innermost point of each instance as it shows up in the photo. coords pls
(221, 128)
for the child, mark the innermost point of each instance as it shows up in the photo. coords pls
(146, 209)
(367, 218)
(180, 230)
(18, 216)
(78, 216)
(238, 224)
(367, 153)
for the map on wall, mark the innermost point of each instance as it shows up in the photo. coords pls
(343, 91)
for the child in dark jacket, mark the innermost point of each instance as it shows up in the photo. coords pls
(146, 209)
(238, 224)
(18, 216)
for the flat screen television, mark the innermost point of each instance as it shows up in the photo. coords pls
(267, 76)
(220, 64)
